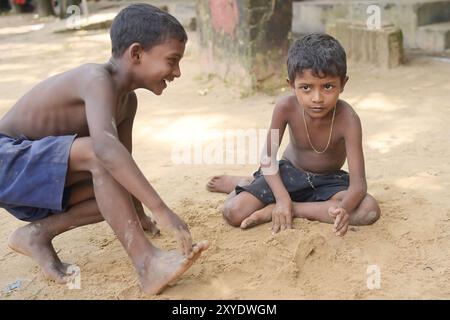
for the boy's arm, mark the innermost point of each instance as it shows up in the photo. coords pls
(355, 158)
(100, 103)
(282, 213)
(125, 129)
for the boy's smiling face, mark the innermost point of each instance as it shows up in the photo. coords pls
(317, 95)
(160, 65)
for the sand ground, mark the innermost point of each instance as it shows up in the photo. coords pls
(405, 113)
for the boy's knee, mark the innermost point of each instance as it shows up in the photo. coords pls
(84, 155)
(373, 213)
(231, 214)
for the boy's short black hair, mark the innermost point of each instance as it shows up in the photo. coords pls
(145, 24)
(321, 53)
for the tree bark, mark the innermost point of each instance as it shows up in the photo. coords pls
(44, 8)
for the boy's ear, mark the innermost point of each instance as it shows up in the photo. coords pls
(135, 52)
(344, 82)
(290, 83)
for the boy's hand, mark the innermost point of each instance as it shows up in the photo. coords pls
(282, 216)
(341, 221)
(169, 220)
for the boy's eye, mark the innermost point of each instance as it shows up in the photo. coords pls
(304, 87)
(328, 86)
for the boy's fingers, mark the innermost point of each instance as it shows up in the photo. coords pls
(343, 222)
(276, 224)
(289, 224)
(342, 232)
(337, 221)
(282, 222)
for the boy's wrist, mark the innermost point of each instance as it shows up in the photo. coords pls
(283, 198)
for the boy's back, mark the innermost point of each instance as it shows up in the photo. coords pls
(56, 106)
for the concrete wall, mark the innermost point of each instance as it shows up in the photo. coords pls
(381, 48)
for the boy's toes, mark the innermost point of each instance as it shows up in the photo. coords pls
(56, 274)
(197, 249)
(248, 223)
(201, 246)
(256, 218)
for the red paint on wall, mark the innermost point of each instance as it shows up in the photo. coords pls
(224, 16)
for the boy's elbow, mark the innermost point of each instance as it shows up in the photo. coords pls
(106, 155)
(360, 190)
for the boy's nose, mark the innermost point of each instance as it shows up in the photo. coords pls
(316, 97)
(177, 72)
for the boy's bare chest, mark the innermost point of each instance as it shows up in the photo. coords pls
(319, 137)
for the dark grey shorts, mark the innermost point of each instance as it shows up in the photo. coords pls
(302, 186)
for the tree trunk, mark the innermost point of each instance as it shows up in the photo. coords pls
(44, 8)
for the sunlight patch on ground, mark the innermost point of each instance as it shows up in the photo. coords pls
(13, 67)
(377, 102)
(21, 29)
(420, 181)
(185, 129)
(6, 103)
(19, 78)
(385, 141)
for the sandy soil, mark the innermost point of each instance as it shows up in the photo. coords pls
(405, 114)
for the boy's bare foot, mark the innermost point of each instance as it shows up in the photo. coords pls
(31, 240)
(226, 183)
(258, 217)
(166, 266)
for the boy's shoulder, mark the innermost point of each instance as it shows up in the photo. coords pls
(81, 80)
(345, 111)
(94, 71)
(286, 104)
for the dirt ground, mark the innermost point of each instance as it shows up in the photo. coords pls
(405, 113)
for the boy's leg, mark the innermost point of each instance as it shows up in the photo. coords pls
(226, 183)
(238, 207)
(156, 268)
(35, 239)
(366, 213)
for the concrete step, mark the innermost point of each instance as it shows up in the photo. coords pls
(430, 12)
(434, 37)
(312, 16)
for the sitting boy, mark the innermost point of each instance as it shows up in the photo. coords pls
(324, 131)
(65, 153)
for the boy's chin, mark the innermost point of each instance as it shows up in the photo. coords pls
(156, 91)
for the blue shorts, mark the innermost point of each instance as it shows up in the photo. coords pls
(302, 186)
(33, 175)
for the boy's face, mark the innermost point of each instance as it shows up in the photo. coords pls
(160, 65)
(317, 95)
